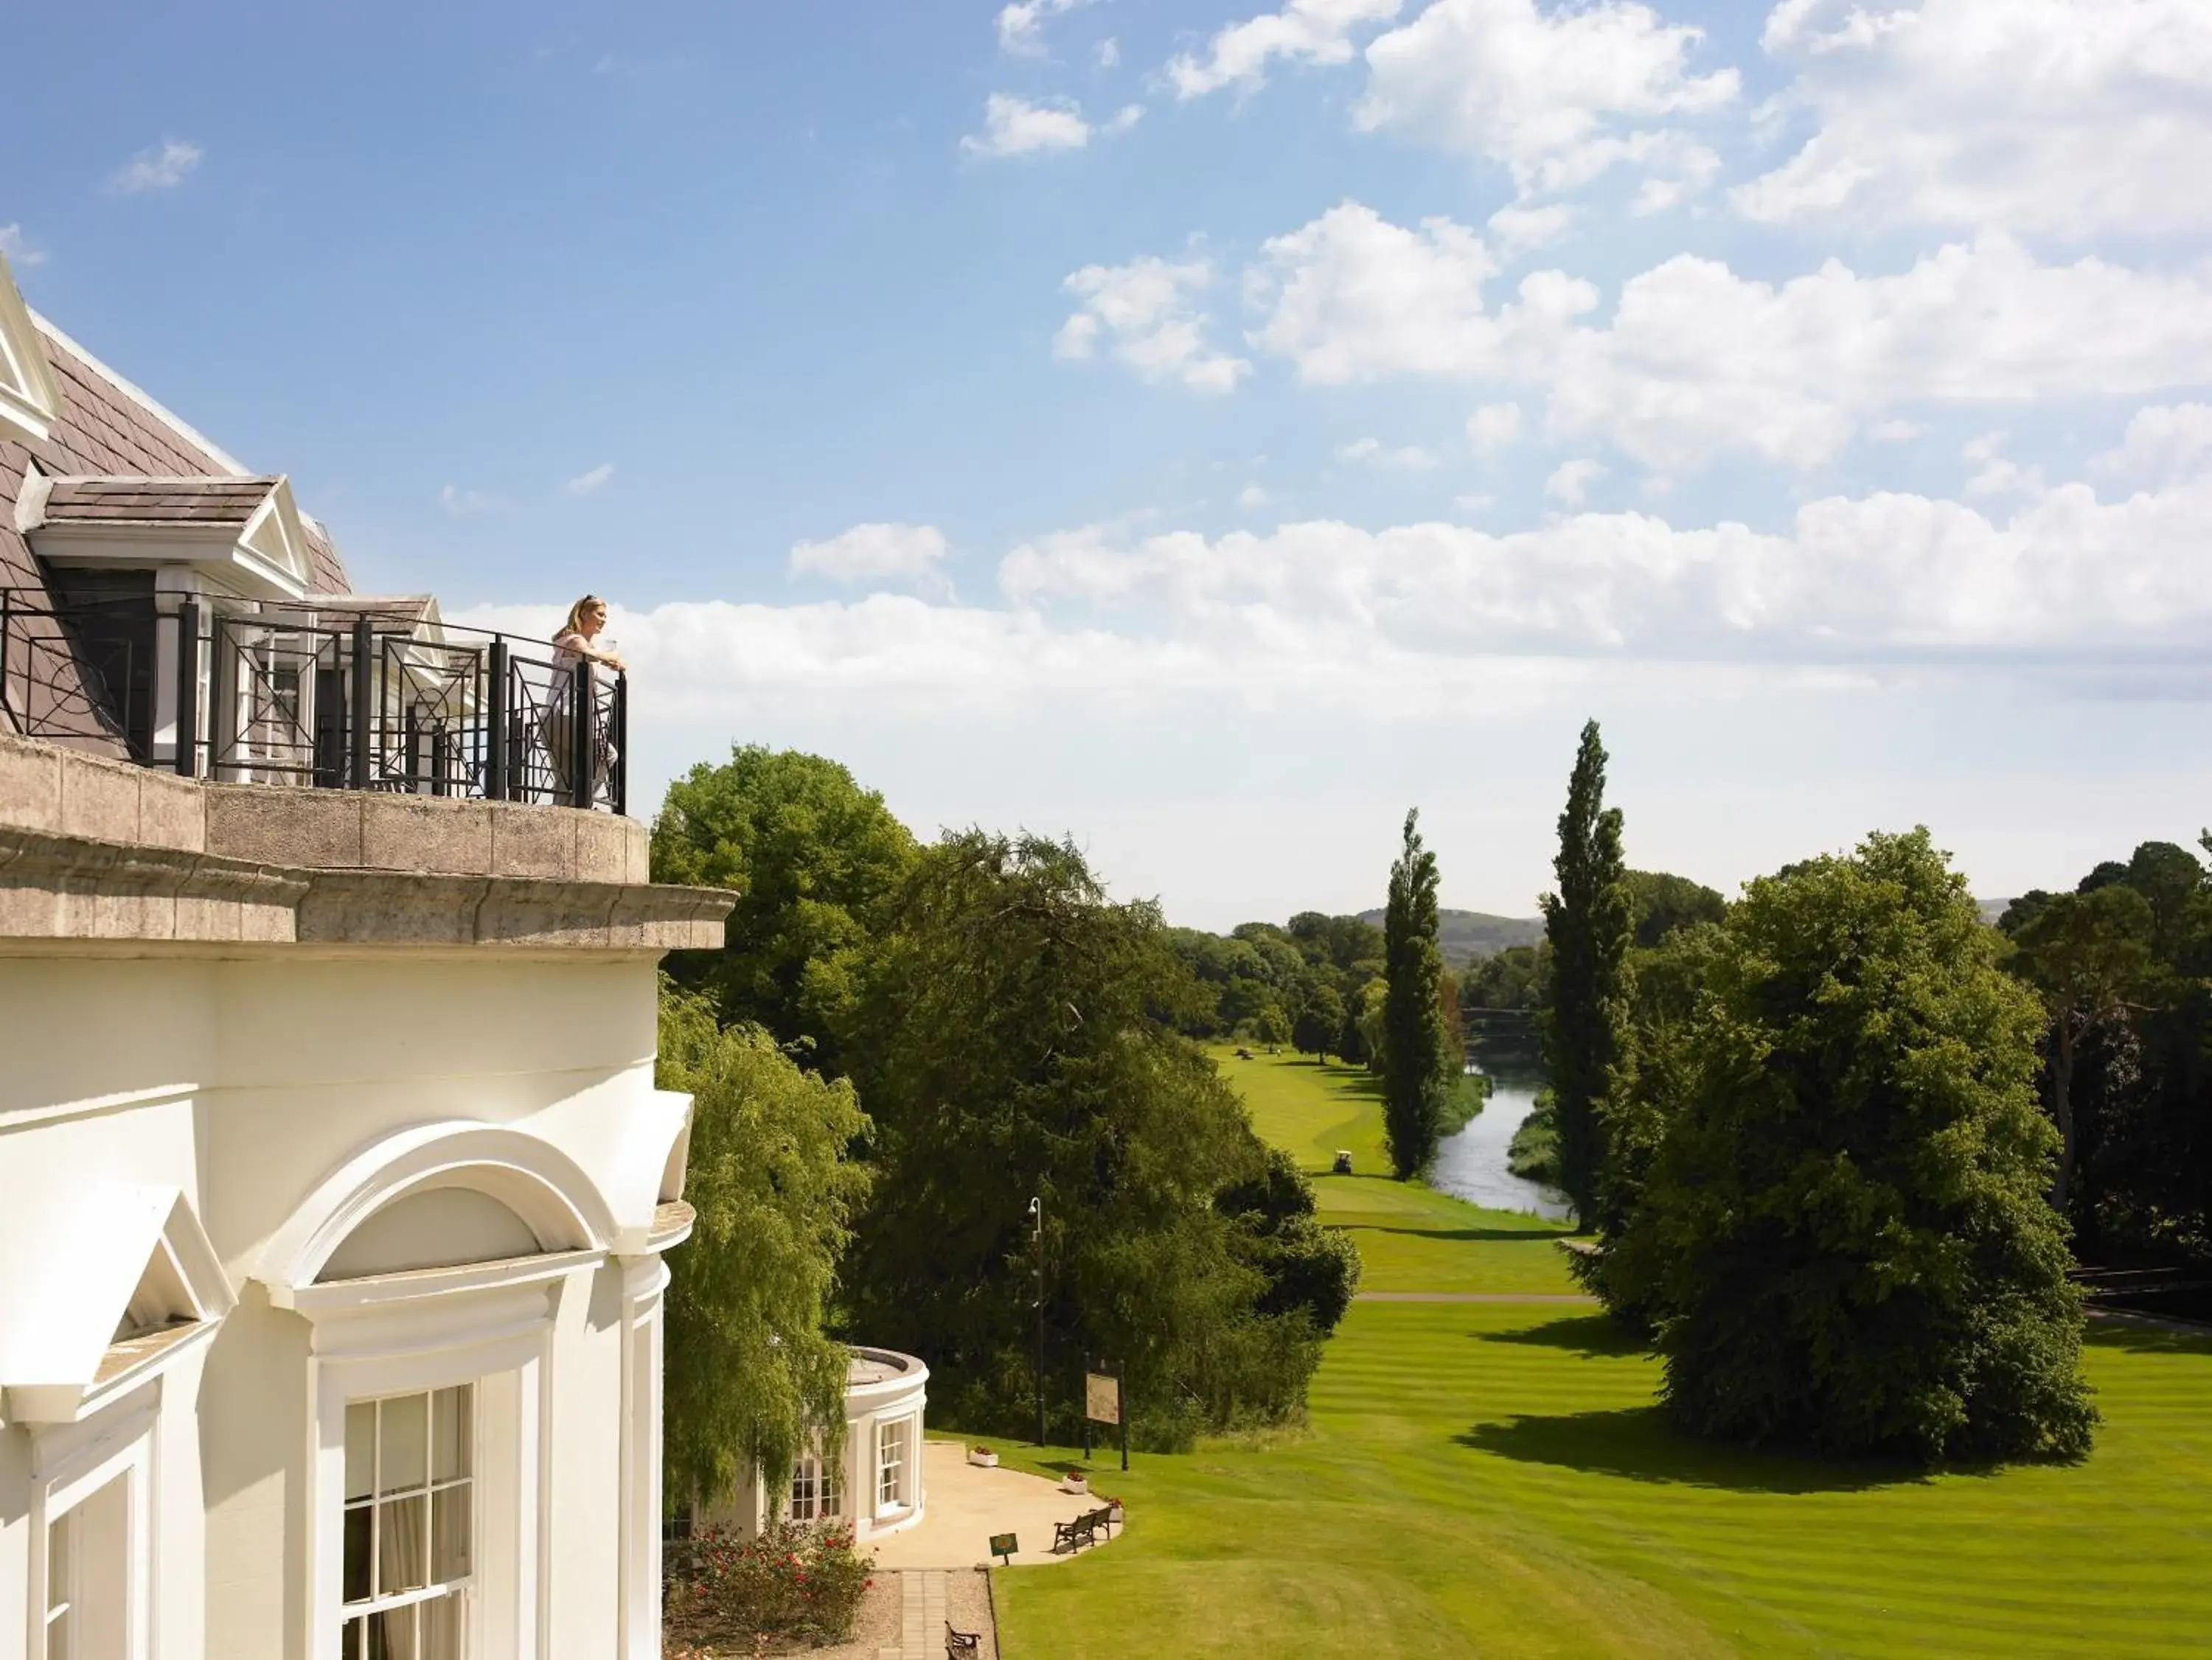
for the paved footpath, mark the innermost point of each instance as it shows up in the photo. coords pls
(922, 1608)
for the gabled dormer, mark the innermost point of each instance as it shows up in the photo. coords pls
(131, 1281)
(29, 402)
(244, 533)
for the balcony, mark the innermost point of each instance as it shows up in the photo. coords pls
(328, 692)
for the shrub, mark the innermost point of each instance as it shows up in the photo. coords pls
(793, 1580)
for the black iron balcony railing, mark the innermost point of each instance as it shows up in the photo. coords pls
(333, 696)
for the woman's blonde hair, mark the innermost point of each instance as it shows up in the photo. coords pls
(574, 625)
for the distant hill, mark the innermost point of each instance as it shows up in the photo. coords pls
(1466, 935)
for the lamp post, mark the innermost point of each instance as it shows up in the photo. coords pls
(1037, 1219)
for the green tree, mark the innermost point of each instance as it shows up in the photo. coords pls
(1016, 1039)
(1588, 924)
(751, 1380)
(1421, 1057)
(1320, 1022)
(1663, 902)
(1664, 985)
(1311, 1269)
(1844, 1238)
(2085, 954)
(813, 857)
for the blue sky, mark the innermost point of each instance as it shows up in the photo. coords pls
(1207, 429)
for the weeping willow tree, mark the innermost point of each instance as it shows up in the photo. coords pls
(751, 1380)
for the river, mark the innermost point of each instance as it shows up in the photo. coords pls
(1471, 1164)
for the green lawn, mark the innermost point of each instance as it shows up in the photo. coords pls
(1491, 1478)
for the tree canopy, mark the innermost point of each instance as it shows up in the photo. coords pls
(1015, 1038)
(813, 857)
(1843, 1240)
(2123, 965)
(751, 1380)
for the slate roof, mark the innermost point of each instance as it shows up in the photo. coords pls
(103, 430)
(108, 433)
(212, 501)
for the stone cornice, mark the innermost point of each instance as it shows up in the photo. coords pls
(57, 887)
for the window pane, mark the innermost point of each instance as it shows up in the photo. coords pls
(358, 1526)
(441, 1629)
(58, 1561)
(450, 1546)
(403, 1455)
(361, 1449)
(400, 1544)
(58, 1646)
(450, 1427)
(350, 1644)
(392, 1634)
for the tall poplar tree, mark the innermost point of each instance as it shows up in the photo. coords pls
(1420, 1055)
(1589, 922)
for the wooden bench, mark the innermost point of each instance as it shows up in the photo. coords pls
(958, 1643)
(1083, 1530)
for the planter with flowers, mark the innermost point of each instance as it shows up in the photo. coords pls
(983, 1458)
(1114, 1510)
(1075, 1482)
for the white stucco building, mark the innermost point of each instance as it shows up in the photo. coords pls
(334, 1186)
(875, 1483)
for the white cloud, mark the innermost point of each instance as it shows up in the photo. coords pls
(1894, 432)
(1107, 53)
(1867, 579)
(1251, 496)
(159, 167)
(873, 552)
(1570, 480)
(1995, 473)
(1308, 31)
(19, 250)
(1021, 24)
(1474, 504)
(1146, 310)
(1696, 358)
(1493, 425)
(1014, 127)
(466, 504)
(1390, 624)
(1515, 230)
(590, 480)
(2165, 442)
(1555, 96)
(2069, 118)
(1373, 452)
(1353, 297)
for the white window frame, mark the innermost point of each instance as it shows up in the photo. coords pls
(498, 1337)
(645, 1279)
(900, 1431)
(457, 1589)
(826, 1500)
(71, 1462)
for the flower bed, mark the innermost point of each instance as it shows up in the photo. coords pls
(795, 1584)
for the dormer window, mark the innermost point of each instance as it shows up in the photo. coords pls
(243, 534)
(29, 401)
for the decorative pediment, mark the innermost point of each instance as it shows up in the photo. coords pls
(134, 1280)
(29, 402)
(246, 532)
